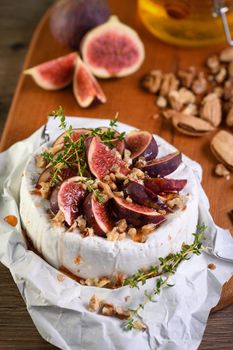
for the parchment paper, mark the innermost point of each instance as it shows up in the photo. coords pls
(59, 309)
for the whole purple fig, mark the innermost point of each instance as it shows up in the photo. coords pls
(71, 19)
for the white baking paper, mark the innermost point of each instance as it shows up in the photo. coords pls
(59, 309)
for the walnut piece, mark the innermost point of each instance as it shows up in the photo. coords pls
(94, 304)
(169, 83)
(58, 219)
(152, 81)
(213, 64)
(161, 102)
(199, 85)
(187, 76)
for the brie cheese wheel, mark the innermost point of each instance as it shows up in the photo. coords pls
(96, 256)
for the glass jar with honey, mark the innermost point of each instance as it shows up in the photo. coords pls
(188, 22)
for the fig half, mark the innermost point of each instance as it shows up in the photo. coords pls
(135, 214)
(162, 166)
(144, 196)
(158, 185)
(112, 49)
(97, 215)
(54, 74)
(141, 144)
(76, 132)
(70, 197)
(101, 159)
(85, 87)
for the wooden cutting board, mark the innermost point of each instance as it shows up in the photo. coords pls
(31, 106)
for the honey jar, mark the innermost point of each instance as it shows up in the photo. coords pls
(188, 22)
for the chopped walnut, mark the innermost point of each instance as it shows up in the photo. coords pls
(147, 229)
(169, 83)
(104, 281)
(81, 222)
(121, 313)
(108, 310)
(176, 202)
(94, 303)
(129, 199)
(58, 219)
(136, 174)
(127, 157)
(113, 235)
(122, 225)
(113, 186)
(40, 161)
(175, 100)
(228, 90)
(161, 102)
(119, 194)
(213, 64)
(187, 76)
(45, 189)
(112, 177)
(119, 279)
(115, 168)
(221, 76)
(88, 231)
(186, 96)
(132, 232)
(190, 109)
(152, 81)
(221, 170)
(199, 85)
(120, 176)
(139, 325)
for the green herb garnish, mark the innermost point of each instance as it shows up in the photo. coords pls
(167, 266)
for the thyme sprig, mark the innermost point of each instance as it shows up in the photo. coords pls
(73, 153)
(167, 266)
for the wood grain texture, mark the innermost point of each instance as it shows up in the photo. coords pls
(28, 111)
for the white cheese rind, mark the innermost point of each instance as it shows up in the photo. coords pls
(98, 256)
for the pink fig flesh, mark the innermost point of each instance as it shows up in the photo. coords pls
(112, 49)
(54, 74)
(162, 166)
(141, 144)
(101, 159)
(143, 196)
(75, 136)
(85, 87)
(70, 197)
(135, 214)
(97, 216)
(158, 185)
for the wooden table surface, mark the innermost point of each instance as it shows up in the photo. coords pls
(16, 23)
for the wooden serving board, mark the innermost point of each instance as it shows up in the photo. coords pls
(31, 106)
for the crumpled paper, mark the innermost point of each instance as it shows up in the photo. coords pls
(59, 309)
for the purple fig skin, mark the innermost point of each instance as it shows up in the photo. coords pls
(158, 185)
(97, 216)
(141, 144)
(71, 19)
(101, 159)
(162, 166)
(45, 176)
(54, 200)
(135, 214)
(70, 197)
(142, 195)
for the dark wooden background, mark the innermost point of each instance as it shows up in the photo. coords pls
(18, 19)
